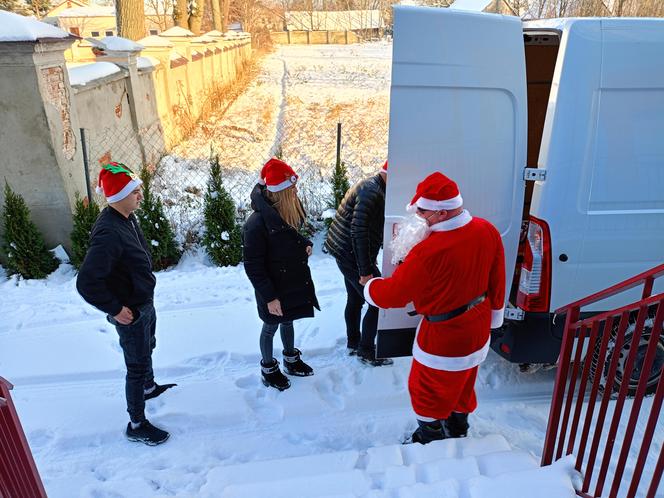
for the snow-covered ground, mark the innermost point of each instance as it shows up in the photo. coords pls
(291, 109)
(67, 367)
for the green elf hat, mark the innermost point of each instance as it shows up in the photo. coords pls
(116, 181)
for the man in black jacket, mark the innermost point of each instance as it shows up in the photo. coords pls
(354, 239)
(116, 278)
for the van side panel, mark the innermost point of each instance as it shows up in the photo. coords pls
(615, 167)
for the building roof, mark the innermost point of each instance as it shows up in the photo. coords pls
(334, 21)
(14, 27)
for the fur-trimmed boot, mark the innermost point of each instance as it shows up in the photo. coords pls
(456, 425)
(272, 377)
(295, 366)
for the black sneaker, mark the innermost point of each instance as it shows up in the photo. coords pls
(352, 348)
(156, 390)
(295, 366)
(368, 357)
(146, 433)
(271, 376)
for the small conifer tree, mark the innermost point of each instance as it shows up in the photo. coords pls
(223, 238)
(340, 184)
(156, 227)
(85, 215)
(24, 247)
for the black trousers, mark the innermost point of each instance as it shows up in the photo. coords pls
(138, 341)
(366, 337)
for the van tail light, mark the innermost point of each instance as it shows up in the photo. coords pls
(535, 280)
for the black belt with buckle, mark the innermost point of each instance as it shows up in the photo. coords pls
(454, 313)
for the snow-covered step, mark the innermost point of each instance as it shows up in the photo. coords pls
(484, 467)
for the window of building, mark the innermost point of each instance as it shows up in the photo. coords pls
(154, 32)
(109, 33)
(94, 34)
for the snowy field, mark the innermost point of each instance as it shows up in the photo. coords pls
(228, 432)
(291, 109)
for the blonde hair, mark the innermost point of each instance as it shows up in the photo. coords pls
(288, 206)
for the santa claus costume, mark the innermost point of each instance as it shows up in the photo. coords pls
(455, 278)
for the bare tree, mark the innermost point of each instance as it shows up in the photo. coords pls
(181, 13)
(225, 12)
(130, 18)
(216, 15)
(161, 12)
(196, 10)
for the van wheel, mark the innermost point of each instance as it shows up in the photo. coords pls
(623, 351)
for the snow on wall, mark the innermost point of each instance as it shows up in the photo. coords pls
(86, 73)
(14, 28)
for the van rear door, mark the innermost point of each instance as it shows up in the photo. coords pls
(457, 105)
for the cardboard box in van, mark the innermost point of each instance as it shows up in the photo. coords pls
(554, 131)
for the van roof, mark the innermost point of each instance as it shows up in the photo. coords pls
(565, 23)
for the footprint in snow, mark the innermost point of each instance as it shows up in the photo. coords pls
(329, 392)
(247, 382)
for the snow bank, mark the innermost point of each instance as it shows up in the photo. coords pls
(86, 73)
(14, 28)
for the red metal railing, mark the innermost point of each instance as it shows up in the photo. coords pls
(599, 354)
(18, 473)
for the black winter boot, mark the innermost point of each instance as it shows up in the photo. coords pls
(146, 433)
(427, 432)
(156, 390)
(272, 377)
(368, 357)
(456, 425)
(295, 366)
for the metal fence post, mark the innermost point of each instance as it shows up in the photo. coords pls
(338, 145)
(86, 165)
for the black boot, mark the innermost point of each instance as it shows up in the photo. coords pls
(427, 432)
(156, 390)
(456, 425)
(368, 357)
(295, 366)
(146, 433)
(272, 377)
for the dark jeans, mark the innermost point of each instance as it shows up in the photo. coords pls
(267, 338)
(137, 341)
(365, 339)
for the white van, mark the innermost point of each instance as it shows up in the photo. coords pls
(554, 131)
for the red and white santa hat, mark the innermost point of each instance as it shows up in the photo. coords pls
(384, 168)
(116, 182)
(436, 192)
(276, 175)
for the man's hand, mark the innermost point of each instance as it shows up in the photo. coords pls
(310, 250)
(125, 317)
(274, 307)
(365, 278)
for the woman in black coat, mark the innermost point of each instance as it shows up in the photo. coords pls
(276, 262)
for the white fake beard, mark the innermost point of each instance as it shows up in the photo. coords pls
(410, 232)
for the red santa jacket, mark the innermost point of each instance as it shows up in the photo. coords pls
(461, 259)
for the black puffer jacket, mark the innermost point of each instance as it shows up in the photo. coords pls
(117, 269)
(276, 262)
(356, 234)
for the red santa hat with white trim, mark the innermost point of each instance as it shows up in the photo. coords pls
(384, 168)
(436, 192)
(116, 181)
(276, 175)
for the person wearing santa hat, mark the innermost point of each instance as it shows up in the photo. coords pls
(275, 258)
(116, 277)
(354, 239)
(454, 275)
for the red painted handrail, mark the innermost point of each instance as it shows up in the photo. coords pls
(19, 477)
(586, 358)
